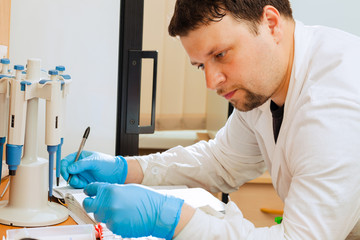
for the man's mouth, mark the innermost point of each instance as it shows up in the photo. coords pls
(229, 95)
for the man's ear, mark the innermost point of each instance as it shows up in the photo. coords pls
(271, 17)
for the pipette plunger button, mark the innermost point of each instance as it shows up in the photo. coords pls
(5, 61)
(19, 67)
(53, 72)
(60, 68)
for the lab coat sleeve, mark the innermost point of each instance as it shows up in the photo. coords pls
(222, 164)
(323, 201)
(232, 226)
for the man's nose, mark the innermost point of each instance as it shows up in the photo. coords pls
(214, 77)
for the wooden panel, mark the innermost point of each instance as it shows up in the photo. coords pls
(251, 197)
(5, 22)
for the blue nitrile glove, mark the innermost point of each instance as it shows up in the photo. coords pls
(132, 210)
(93, 167)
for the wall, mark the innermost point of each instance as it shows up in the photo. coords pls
(334, 13)
(83, 36)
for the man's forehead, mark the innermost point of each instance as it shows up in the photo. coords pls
(200, 48)
(215, 31)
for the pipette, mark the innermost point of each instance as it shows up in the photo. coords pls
(52, 130)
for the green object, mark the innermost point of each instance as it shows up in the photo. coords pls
(278, 220)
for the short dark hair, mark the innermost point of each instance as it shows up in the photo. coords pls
(191, 14)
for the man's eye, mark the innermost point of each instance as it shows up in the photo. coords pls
(220, 55)
(200, 66)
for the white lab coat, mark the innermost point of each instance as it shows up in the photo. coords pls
(315, 164)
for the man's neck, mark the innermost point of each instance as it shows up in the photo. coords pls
(289, 46)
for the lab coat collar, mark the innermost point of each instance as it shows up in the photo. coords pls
(295, 89)
(298, 74)
(264, 122)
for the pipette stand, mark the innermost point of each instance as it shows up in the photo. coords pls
(28, 204)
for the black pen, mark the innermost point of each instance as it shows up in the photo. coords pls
(86, 134)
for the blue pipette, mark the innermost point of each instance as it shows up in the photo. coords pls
(58, 160)
(2, 142)
(51, 150)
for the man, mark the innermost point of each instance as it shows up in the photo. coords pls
(296, 90)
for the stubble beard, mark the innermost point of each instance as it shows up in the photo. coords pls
(251, 101)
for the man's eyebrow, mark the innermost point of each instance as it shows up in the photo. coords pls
(211, 52)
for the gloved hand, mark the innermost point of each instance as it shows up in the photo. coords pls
(93, 167)
(132, 210)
